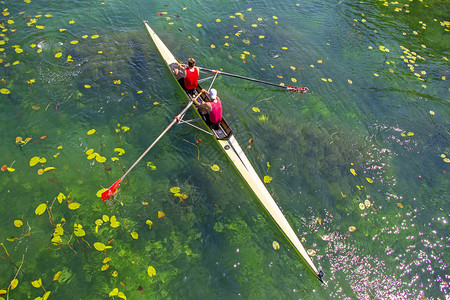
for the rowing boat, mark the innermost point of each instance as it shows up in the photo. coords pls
(227, 141)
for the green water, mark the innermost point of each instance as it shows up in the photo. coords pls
(366, 110)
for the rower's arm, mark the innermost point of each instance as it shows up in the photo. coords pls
(195, 99)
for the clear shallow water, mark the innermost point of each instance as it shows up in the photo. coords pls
(217, 243)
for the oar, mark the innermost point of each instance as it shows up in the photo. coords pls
(289, 88)
(113, 188)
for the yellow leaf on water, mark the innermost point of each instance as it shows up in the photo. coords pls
(105, 218)
(11, 169)
(261, 36)
(255, 109)
(14, 283)
(89, 152)
(369, 180)
(122, 296)
(92, 131)
(49, 169)
(74, 42)
(105, 267)
(215, 168)
(352, 228)
(114, 292)
(37, 283)
(151, 271)
(353, 172)
(34, 161)
(74, 205)
(40, 209)
(199, 25)
(284, 48)
(134, 235)
(113, 222)
(294, 80)
(267, 179)
(410, 134)
(95, 36)
(100, 192)
(61, 197)
(120, 151)
(42, 160)
(40, 171)
(275, 245)
(57, 275)
(18, 223)
(58, 55)
(149, 223)
(218, 20)
(99, 246)
(175, 189)
(40, 27)
(4, 91)
(100, 159)
(161, 214)
(93, 155)
(46, 295)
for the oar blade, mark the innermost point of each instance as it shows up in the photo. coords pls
(111, 191)
(297, 89)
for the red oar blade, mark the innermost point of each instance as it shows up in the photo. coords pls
(109, 192)
(297, 89)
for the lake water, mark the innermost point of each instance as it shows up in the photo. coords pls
(359, 164)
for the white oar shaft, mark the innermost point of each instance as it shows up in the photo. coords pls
(210, 86)
(157, 139)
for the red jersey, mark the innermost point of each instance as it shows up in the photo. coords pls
(215, 115)
(191, 79)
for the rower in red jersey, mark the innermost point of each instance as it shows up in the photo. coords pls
(191, 76)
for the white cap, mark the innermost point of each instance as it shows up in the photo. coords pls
(213, 94)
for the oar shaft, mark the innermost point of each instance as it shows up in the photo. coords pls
(214, 79)
(157, 139)
(242, 77)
